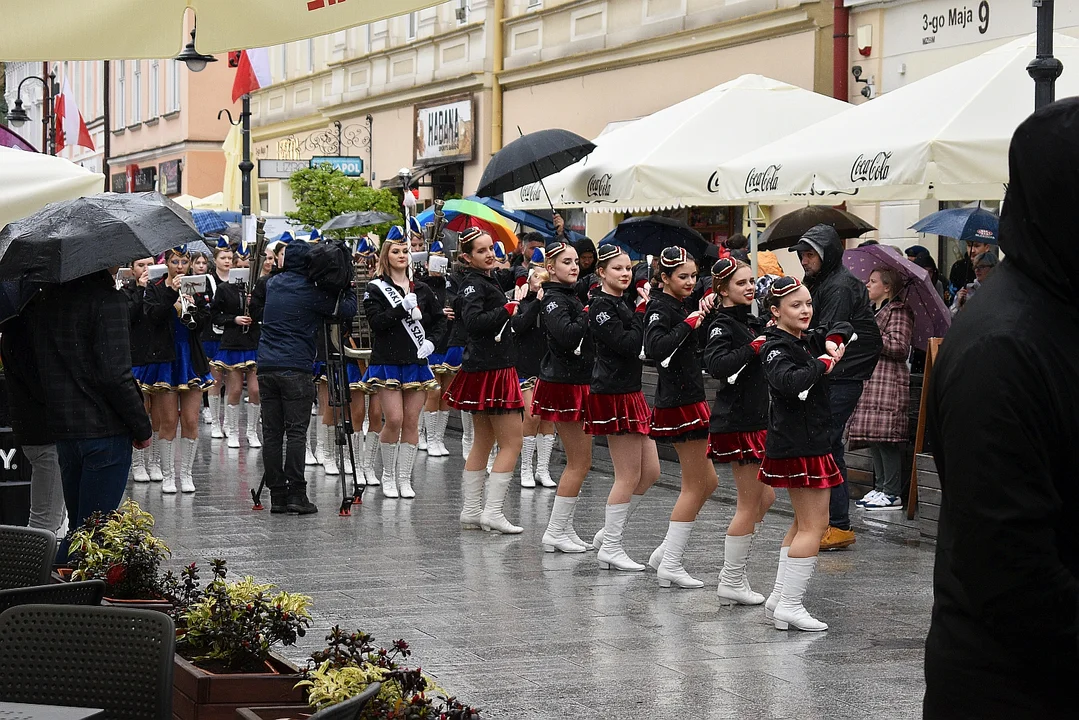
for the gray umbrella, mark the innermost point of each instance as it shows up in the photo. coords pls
(362, 219)
(67, 240)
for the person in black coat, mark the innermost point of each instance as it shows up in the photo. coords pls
(1003, 427)
(487, 386)
(177, 371)
(562, 389)
(211, 343)
(402, 313)
(680, 412)
(616, 407)
(237, 358)
(739, 420)
(531, 342)
(436, 413)
(145, 463)
(798, 447)
(838, 296)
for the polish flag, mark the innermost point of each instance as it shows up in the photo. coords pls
(252, 72)
(70, 127)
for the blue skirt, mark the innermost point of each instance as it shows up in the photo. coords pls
(447, 362)
(234, 359)
(175, 376)
(399, 377)
(211, 348)
(355, 375)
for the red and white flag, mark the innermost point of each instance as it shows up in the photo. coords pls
(70, 127)
(252, 72)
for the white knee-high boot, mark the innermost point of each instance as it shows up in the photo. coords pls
(253, 410)
(232, 425)
(188, 446)
(555, 537)
(634, 501)
(544, 447)
(472, 498)
(168, 485)
(441, 418)
(734, 586)
(329, 449)
(493, 518)
(528, 450)
(360, 455)
(216, 431)
(372, 445)
(670, 568)
(421, 430)
(406, 456)
(611, 553)
(153, 465)
(139, 471)
(468, 434)
(790, 612)
(389, 469)
(777, 588)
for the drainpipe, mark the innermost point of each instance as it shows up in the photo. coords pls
(495, 28)
(840, 51)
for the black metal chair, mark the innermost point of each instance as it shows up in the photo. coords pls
(349, 709)
(86, 592)
(26, 556)
(118, 659)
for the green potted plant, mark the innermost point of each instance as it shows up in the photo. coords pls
(225, 657)
(348, 665)
(120, 548)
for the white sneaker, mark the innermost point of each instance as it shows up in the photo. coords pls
(885, 502)
(869, 497)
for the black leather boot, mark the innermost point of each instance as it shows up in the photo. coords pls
(298, 503)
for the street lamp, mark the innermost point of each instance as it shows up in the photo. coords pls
(1044, 68)
(17, 117)
(195, 61)
(246, 166)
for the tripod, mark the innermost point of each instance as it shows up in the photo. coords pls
(339, 395)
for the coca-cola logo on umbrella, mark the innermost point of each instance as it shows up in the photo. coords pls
(871, 168)
(598, 185)
(762, 181)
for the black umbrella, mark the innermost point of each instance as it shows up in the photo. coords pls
(530, 158)
(361, 219)
(790, 228)
(650, 234)
(70, 239)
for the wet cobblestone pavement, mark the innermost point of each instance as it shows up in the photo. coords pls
(524, 634)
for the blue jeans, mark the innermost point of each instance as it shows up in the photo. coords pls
(843, 397)
(94, 473)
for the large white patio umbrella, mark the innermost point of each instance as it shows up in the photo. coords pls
(87, 30)
(669, 158)
(945, 137)
(29, 181)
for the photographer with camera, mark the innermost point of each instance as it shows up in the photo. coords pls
(295, 308)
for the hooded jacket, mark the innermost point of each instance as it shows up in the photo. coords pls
(667, 335)
(566, 324)
(618, 334)
(1003, 426)
(743, 406)
(838, 296)
(797, 427)
(294, 311)
(480, 309)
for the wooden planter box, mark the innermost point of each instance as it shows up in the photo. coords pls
(201, 695)
(281, 712)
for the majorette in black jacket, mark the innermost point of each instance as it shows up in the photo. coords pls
(529, 336)
(666, 333)
(438, 285)
(480, 309)
(159, 323)
(390, 342)
(226, 307)
(139, 338)
(566, 325)
(207, 333)
(617, 334)
(798, 428)
(743, 406)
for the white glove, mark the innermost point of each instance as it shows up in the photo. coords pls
(409, 301)
(426, 348)
(416, 314)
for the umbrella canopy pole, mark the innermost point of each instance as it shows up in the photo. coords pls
(754, 241)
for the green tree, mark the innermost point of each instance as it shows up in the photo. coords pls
(322, 193)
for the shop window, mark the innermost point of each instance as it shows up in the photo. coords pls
(154, 90)
(174, 86)
(136, 93)
(120, 111)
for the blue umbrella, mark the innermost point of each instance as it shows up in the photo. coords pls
(970, 224)
(209, 221)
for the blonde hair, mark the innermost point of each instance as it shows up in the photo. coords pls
(382, 267)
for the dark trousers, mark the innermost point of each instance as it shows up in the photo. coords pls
(94, 475)
(286, 413)
(842, 398)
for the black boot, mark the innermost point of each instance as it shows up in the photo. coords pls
(297, 503)
(278, 501)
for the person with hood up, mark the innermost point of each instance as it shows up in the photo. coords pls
(1002, 423)
(291, 317)
(838, 297)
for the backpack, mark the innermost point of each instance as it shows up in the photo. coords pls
(329, 265)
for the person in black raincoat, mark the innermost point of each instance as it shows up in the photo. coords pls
(1003, 426)
(838, 296)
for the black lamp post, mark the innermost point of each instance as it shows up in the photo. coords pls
(1044, 68)
(246, 166)
(17, 117)
(195, 61)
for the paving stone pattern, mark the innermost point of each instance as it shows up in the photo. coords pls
(524, 634)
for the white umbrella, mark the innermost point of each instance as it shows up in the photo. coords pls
(669, 158)
(84, 30)
(29, 181)
(945, 136)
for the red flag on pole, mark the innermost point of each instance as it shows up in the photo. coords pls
(252, 72)
(70, 126)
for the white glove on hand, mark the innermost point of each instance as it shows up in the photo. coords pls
(426, 348)
(408, 302)
(416, 314)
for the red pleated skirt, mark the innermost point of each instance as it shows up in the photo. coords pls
(559, 402)
(686, 422)
(817, 471)
(493, 391)
(617, 414)
(737, 446)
